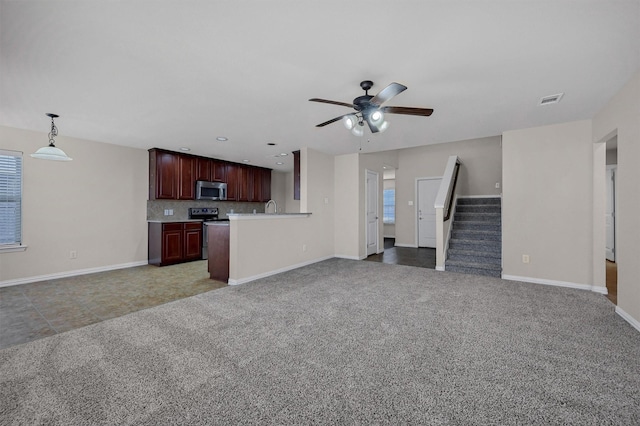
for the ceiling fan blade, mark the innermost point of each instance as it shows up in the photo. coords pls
(372, 127)
(333, 120)
(425, 112)
(387, 93)
(325, 101)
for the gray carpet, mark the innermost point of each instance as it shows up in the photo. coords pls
(339, 342)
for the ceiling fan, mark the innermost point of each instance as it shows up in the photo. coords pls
(369, 108)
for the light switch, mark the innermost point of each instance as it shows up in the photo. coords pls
(410, 203)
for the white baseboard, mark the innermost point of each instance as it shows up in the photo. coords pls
(597, 289)
(276, 271)
(480, 196)
(74, 273)
(407, 245)
(340, 256)
(628, 318)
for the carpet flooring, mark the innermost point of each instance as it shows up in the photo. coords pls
(339, 342)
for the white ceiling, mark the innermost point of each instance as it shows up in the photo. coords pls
(174, 74)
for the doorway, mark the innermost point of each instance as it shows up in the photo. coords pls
(427, 189)
(372, 218)
(611, 272)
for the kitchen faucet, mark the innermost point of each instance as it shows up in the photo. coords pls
(275, 206)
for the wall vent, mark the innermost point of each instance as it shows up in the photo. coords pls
(551, 99)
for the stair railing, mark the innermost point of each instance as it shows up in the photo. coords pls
(443, 205)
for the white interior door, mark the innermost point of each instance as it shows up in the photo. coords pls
(372, 212)
(427, 192)
(610, 214)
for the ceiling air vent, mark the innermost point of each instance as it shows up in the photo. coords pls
(552, 99)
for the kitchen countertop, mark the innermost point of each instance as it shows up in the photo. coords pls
(173, 220)
(249, 216)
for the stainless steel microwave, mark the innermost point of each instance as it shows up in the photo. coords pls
(211, 190)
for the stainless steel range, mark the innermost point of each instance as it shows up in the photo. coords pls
(207, 214)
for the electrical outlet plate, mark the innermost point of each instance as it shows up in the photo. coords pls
(525, 258)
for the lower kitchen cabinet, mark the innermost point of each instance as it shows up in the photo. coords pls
(174, 242)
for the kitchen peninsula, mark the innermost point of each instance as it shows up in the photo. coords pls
(252, 246)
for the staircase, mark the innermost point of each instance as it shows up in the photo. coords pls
(475, 246)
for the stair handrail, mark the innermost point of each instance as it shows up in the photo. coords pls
(443, 202)
(444, 199)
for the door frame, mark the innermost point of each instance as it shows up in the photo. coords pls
(416, 204)
(614, 177)
(366, 204)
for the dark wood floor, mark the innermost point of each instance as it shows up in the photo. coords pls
(612, 282)
(421, 257)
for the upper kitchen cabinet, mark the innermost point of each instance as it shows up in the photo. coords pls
(261, 188)
(173, 176)
(218, 171)
(186, 178)
(163, 172)
(296, 175)
(232, 181)
(203, 168)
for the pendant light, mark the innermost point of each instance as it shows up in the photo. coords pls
(51, 152)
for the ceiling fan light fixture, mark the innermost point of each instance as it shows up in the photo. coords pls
(377, 117)
(350, 121)
(358, 130)
(384, 126)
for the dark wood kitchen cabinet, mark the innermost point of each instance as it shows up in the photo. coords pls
(218, 171)
(296, 175)
(174, 242)
(232, 181)
(173, 176)
(245, 183)
(186, 178)
(203, 168)
(163, 172)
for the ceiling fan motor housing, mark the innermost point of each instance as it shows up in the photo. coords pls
(361, 103)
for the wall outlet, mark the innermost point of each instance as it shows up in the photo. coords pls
(73, 254)
(525, 258)
(326, 200)
(304, 247)
(410, 203)
(497, 185)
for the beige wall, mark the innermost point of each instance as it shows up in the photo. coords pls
(347, 201)
(279, 190)
(94, 205)
(290, 205)
(621, 116)
(547, 203)
(481, 170)
(262, 246)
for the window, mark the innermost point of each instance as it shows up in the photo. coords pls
(389, 206)
(10, 198)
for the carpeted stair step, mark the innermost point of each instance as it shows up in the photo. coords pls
(475, 269)
(470, 256)
(477, 217)
(476, 245)
(470, 234)
(476, 226)
(476, 201)
(478, 208)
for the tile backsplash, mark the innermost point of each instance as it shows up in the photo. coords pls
(156, 208)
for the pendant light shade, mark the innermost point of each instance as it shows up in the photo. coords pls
(50, 152)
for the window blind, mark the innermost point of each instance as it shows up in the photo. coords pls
(10, 197)
(389, 206)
